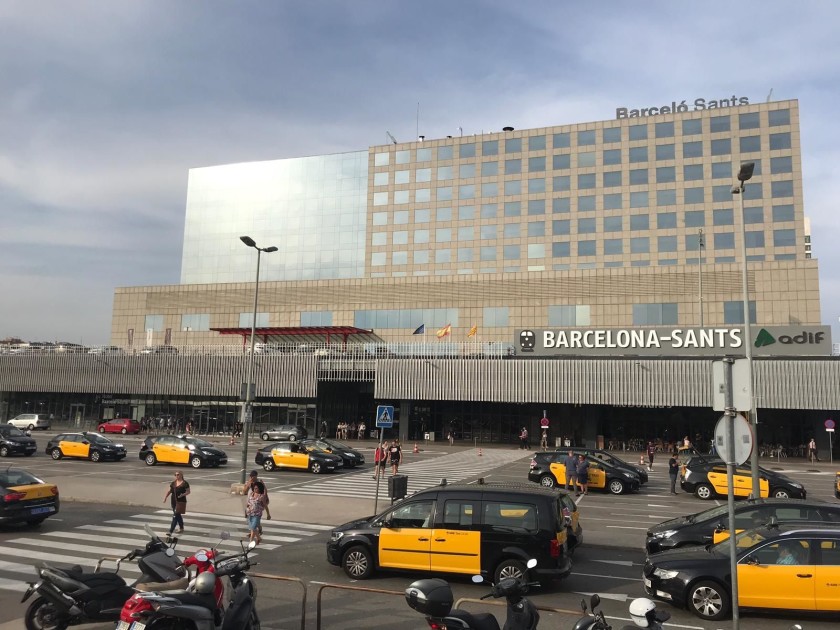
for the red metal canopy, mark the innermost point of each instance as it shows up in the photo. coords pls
(318, 334)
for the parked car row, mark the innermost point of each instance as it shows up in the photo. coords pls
(37, 347)
(606, 471)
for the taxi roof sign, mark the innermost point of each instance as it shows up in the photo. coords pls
(385, 416)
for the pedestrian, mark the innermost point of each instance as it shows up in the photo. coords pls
(323, 428)
(351, 431)
(394, 456)
(362, 429)
(338, 428)
(254, 509)
(544, 439)
(673, 471)
(812, 451)
(570, 465)
(380, 457)
(523, 438)
(686, 442)
(253, 478)
(582, 475)
(451, 437)
(651, 450)
(177, 495)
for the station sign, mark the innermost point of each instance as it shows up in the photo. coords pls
(766, 341)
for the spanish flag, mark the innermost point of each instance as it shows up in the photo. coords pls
(443, 332)
(473, 331)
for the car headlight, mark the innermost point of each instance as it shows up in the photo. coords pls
(351, 455)
(336, 536)
(798, 486)
(666, 534)
(629, 475)
(664, 574)
(207, 452)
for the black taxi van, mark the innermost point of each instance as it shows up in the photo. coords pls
(468, 529)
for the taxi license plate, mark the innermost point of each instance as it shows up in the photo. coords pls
(42, 510)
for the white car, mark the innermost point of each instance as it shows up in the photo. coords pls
(31, 421)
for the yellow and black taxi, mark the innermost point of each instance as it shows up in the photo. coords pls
(297, 455)
(466, 529)
(349, 455)
(25, 498)
(13, 441)
(707, 478)
(181, 449)
(85, 445)
(712, 526)
(781, 566)
(548, 470)
(606, 456)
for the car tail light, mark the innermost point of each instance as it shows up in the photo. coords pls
(436, 625)
(11, 497)
(554, 548)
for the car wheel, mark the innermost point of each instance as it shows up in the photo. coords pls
(4, 451)
(315, 467)
(268, 465)
(123, 431)
(264, 437)
(31, 427)
(708, 600)
(95, 456)
(56, 453)
(780, 493)
(704, 491)
(547, 481)
(292, 438)
(102, 429)
(357, 563)
(616, 486)
(150, 459)
(509, 569)
(195, 461)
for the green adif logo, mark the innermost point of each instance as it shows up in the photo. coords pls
(764, 338)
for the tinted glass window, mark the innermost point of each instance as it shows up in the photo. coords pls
(417, 514)
(444, 153)
(638, 132)
(783, 213)
(693, 149)
(781, 164)
(586, 180)
(613, 246)
(719, 123)
(467, 150)
(639, 222)
(562, 140)
(561, 161)
(666, 220)
(666, 174)
(586, 203)
(722, 217)
(612, 202)
(459, 514)
(692, 172)
(666, 197)
(692, 127)
(513, 145)
(490, 147)
(586, 137)
(778, 117)
(613, 224)
(779, 141)
(783, 188)
(561, 204)
(639, 199)
(665, 152)
(721, 170)
(536, 164)
(665, 130)
(612, 157)
(612, 135)
(513, 167)
(612, 178)
(639, 176)
(667, 243)
(749, 121)
(536, 143)
(723, 146)
(694, 195)
(750, 144)
(638, 154)
(695, 218)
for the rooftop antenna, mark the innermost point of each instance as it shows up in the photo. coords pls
(770, 95)
(461, 131)
(390, 137)
(417, 134)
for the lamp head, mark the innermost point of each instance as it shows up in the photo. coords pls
(268, 250)
(746, 171)
(248, 241)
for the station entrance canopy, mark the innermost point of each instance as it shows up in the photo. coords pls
(314, 335)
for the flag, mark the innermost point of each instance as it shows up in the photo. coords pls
(443, 332)
(421, 330)
(473, 331)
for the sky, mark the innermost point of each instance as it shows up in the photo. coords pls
(105, 106)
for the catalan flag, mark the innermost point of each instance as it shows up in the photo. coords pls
(473, 331)
(445, 331)
(421, 330)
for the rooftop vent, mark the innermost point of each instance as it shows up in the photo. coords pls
(421, 138)
(507, 128)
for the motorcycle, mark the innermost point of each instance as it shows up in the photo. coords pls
(643, 612)
(70, 597)
(433, 598)
(201, 605)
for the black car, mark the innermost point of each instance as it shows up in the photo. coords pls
(291, 432)
(13, 441)
(701, 528)
(707, 477)
(548, 470)
(26, 499)
(781, 567)
(84, 445)
(607, 456)
(351, 456)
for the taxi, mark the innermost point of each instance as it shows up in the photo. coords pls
(781, 567)
(26, 499)
(707, 479)
(547, 469)
(296, 455)
(181, 449)
(85, 445)
(470, 529)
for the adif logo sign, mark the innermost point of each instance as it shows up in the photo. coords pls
(764, 338)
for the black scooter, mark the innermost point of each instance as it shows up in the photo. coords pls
(433, 598)
(70, 597)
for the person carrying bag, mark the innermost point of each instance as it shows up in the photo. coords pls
(177, 495)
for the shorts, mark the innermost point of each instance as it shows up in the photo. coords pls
(382, 463)
(254, 522)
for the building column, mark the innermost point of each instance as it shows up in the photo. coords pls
(405, 418)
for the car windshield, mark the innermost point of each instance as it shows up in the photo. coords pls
(715, 512)
(93, 437)
(198, 442)
(12, 477)
(747, 539)
(11, 430)
(333, 444)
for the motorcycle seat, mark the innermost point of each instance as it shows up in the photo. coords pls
(175, 585)
(479, 621)
(188, 598)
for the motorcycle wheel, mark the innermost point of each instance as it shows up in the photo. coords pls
(42, 615)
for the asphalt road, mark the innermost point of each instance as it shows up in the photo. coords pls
(609, 562)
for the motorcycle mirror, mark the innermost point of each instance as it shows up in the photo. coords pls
(201, 556)
(252, 544)
(225, 535)
(149, 532)
(583, 605)
(169, 552)
(531, 563)
(477, 579)
(594, 601)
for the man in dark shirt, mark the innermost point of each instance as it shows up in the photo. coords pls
(673, 471)
(570, 464)
(651, 450)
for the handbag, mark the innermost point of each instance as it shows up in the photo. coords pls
(181, 507)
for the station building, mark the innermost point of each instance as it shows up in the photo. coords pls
(406, 273)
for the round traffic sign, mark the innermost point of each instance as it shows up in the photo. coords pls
(544, 422)
(829, 424)
(743, 439)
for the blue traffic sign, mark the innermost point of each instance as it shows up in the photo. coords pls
(385, 416)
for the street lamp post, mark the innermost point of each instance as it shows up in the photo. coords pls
(700, 245)
(246, 416)
(744, 175)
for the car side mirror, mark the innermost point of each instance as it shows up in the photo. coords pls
(753, 561)
(29, 433)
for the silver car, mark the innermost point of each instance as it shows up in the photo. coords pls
(31, 421)
(291, 432)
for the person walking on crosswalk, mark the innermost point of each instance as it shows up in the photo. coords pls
(177, 495)
(380, 457)
(254, 510)
(253, 477)
(394, 456)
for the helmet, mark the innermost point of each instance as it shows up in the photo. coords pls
(205, 582)
(642, 611)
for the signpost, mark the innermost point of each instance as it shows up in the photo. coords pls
(384, 420)
(829, 428)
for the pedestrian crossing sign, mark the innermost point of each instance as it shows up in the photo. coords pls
(385, 416)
